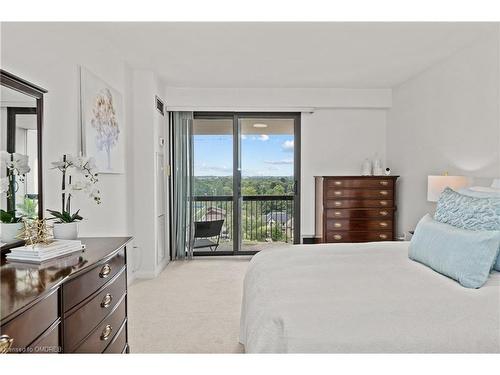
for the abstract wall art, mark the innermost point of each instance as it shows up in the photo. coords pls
(102, 124)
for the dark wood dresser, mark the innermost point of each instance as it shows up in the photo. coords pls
(355, 208)
(75, 304)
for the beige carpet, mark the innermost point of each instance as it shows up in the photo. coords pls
(191, 307)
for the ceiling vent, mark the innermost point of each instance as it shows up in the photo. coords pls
(160, 106)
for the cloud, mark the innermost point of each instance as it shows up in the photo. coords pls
(287, 146)
(243, 136)
(264, 138)
(279, 162)
(213, 168)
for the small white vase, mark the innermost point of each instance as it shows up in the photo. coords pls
(66, 231)
(11, 231)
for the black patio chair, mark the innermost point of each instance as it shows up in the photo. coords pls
(204, 231)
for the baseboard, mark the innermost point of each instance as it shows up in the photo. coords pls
(146, 274)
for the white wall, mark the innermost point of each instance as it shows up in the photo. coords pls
(445, 119)
(336, 142)
(52, 59)
(49, 56)
(347, 126)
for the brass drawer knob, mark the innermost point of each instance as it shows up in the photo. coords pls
(383, 192)
(383, 236)
(105, 271)
(338, 183)
(383, 213)
(337, 237)
(383, 224)
(337, 225)
(106, 332)
(106, 301)
(338, 203)
(337, 213)
(337, 192)
(5, 343)
(384, 183)
(383, 203)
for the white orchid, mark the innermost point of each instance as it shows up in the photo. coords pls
(15, 163)
(4, 185)
(79, 175)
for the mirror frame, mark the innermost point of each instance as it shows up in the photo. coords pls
(18, 84)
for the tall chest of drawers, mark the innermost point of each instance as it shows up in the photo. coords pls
(355, 208)
(77, 304)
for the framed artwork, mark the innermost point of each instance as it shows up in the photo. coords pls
(102, 124)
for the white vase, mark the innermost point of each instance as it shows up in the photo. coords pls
(66, 231)
(11, 231)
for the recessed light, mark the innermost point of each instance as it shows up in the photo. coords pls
(260, 125)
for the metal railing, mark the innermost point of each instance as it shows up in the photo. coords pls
(264, 218)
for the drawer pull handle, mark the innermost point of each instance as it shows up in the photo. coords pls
(383, 213)
(5, 343)
(338, 192)
(383, 236)
(337, 225)
(383, 203)
(384, 183)
(106, 332)
(337, 213)
(383, 224)
(338, 203)
(337, 237)
(338, 183)
(384, 192)
(106, 301)
(105, 271)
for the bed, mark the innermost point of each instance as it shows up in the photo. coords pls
(363, 298)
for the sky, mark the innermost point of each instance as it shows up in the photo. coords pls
(262, 155)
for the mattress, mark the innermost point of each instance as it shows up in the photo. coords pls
(362, 298)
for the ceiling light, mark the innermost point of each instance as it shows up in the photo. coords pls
(260, 125)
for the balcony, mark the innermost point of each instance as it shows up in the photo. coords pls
(266, 220)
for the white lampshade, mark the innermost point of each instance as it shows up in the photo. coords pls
(436, 185)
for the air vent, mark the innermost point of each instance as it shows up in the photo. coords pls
(160, 106)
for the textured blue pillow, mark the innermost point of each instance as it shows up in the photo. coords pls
(468, 212)
(464, 255)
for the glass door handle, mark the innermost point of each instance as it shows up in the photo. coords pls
(296, 187)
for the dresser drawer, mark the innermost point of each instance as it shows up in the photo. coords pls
(387, 183)
(359, 214)
(48, 343)
(358, 225)
(27, 327)
(359, 193)
(103, 334)
(119, 342)
(79, 323)
(76, 290)
(358, 203)
(338, 236)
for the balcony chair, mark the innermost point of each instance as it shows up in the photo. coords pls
(204, 231)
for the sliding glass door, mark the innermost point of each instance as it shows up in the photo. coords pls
(246, 175)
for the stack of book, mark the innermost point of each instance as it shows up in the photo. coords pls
(41, 253)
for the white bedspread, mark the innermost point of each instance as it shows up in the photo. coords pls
(341, 298)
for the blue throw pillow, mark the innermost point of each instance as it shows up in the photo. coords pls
(472, 213)
(464, 255)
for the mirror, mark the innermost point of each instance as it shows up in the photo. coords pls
(21, 108)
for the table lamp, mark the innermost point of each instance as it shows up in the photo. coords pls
(436, 185)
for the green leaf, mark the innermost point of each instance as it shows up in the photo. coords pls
(9, 217)
(65, 217)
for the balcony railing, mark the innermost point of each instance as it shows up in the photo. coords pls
(264, 218)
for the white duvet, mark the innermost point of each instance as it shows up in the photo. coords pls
(342, 298)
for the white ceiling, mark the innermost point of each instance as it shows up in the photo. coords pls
(298, 55)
